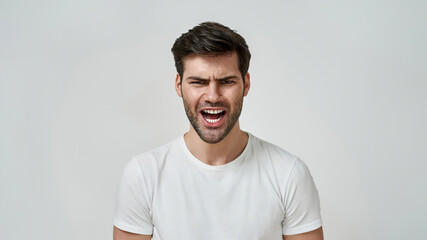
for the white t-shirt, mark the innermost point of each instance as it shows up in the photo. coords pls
(263, 194)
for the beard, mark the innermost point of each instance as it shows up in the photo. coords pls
(213, 134)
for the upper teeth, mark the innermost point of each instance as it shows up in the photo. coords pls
(211, 111)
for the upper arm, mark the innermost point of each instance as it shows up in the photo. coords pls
(123, 235)
(132, 207)
(313, 235)
(301, 202)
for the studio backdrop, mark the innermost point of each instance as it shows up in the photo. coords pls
(86, 85)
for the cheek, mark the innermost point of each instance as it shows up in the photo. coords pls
(235, 95)
(191, 97)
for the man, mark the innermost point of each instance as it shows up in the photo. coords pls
(217, 181)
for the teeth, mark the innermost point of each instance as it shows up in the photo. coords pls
(211, 111)
(213, 120)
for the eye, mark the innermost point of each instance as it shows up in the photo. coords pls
(227, 82)
(198, 82)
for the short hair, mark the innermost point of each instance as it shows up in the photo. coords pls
(211, 38)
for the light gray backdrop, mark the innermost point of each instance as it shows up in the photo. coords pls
(87, 84)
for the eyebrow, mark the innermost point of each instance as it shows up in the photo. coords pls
(207, 79)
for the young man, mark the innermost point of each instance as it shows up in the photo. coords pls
(217, 181)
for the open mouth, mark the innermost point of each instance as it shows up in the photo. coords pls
(213, 116)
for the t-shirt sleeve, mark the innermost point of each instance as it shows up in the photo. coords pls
(132, 213)
(301, 201)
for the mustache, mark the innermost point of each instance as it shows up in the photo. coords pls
(213, 105)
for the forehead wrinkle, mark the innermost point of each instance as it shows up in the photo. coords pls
(211, 67)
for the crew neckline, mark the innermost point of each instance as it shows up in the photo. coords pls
(222, 167)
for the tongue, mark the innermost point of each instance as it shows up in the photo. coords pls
(212, 116)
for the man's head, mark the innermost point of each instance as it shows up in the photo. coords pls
(212, 63)
(211, 38)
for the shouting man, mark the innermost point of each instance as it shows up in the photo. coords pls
(216, 182)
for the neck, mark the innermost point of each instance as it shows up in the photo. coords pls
(218, 153)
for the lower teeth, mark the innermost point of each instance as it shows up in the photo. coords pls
(213, 120)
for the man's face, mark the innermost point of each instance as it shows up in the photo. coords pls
(212, 90)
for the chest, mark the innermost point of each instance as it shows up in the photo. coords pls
(239, 204)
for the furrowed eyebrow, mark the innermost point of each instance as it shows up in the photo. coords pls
(197, 78)
(207, 79)
(227, 78)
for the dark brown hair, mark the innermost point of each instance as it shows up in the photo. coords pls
(211, 38)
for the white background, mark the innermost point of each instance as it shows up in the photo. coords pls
(85, 85)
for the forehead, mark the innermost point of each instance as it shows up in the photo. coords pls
(208, 65)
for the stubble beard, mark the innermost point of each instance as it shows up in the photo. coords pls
(213, 135)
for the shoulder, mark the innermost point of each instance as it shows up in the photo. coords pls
(284, 165)
(151, 161)
(277, 155)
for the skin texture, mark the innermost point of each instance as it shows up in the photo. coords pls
(212, 135)
(122, 235)
(313, 235)
(213, 82)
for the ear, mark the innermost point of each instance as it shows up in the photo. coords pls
(178, 85)
(247, 84)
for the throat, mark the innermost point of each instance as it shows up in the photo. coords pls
(220, 153)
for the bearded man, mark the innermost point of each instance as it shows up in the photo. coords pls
(216, 181)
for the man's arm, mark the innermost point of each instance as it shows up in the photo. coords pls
(313, 235)
(123, 235)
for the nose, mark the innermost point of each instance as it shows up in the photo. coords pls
(213, 92)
